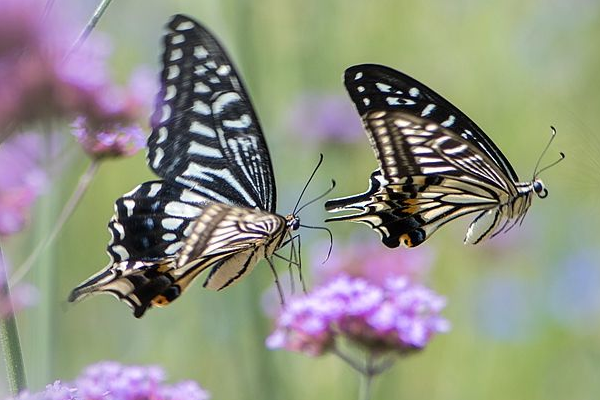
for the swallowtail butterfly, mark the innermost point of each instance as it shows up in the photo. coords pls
(435, 164)
(215, 205)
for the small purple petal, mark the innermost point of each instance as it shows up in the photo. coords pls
(397, 316)
(112, 141)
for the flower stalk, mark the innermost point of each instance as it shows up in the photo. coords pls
(91, 24)
(9, 340)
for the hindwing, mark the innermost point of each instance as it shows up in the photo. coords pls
(165, 235)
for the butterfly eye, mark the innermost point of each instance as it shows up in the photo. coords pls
(540, 189)
(295, 224)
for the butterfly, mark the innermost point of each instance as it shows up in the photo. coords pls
(435, 165)
(215, 204)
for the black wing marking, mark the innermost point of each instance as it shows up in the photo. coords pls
(377, 88)
(164, 235)
(428, 176)
(205, 132)
(406, 145)
(147, 233)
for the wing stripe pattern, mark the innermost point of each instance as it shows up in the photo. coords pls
(205, 134)
(387, 89)
(435, 164)
(215, 207)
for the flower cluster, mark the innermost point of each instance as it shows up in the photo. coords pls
(21, 182)
(324, 118)
(117, 140)
(111, 380)
(43, 77)
(396, 316)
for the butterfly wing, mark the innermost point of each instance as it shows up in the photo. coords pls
(376, 88)
(234, 239)
(205, 133)
(429, 175)
(164, 235)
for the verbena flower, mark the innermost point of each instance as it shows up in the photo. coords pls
(22, 180)
(324, 118)
(44, 78)
(110, 141)
(113, 381)
(396, 316)
(370, 260)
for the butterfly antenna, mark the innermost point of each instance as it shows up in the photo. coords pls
(537, 164)
(318, 197)
(308, 182)
(322, 228)
(562, 157)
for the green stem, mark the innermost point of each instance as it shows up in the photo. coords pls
(67, 211)
(91, 24)
(9, 339)
(349, 360)
(367, 378)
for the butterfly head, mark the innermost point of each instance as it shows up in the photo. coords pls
(539, 188)
(293, 222)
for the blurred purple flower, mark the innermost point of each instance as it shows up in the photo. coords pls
(54, 391)
(21, 296)
(370, 260)
(113, 141)
(574, 297)
(396, 316)
(506, 307)
(21, 180)
(324, 118)
(42, 78)
(112, 381)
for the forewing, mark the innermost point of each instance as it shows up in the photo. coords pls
(379, 88)
(428, 176)
(205, 132)
(407, 145)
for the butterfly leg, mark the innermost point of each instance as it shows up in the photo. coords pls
(277, 283)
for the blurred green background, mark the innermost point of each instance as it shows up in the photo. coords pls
(525, 307)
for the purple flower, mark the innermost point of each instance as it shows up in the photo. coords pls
(43, 78)
(112, 381)
(21, 296)
(110, 141)
(573, 298)
(324, 118)
(396, 316)
(55, 391)
(21, 180)
(369, 260)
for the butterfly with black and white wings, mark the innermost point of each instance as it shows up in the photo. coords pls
(435, 165)
(215, 207)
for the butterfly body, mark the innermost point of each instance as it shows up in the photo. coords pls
(214, 208)
(435, 165)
